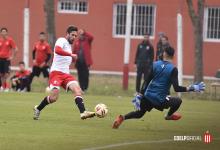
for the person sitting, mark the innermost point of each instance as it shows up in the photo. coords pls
(20, 81)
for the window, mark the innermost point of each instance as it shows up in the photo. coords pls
(143, 19)
(73, 6)
(212, 24)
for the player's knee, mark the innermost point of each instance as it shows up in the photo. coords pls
(78, 92)
(179, 101)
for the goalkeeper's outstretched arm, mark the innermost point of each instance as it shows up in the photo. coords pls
(197, 87)
(175, 82)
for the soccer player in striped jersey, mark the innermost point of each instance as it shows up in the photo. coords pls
(60, 75)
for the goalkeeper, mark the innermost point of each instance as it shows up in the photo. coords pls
(155, 91)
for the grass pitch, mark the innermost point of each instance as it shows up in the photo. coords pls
(60, 127)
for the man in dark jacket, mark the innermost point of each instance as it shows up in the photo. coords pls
(82, 47)
(144, 60)
(162, 44)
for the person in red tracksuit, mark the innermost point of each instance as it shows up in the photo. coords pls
(20, 81)
(8, 50)
(82, 47)
(41, 56)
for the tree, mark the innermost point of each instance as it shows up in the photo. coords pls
(50, 21)
(197, 21)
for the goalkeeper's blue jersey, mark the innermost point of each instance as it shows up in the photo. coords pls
(159, 86)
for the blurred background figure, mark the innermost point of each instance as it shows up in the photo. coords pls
(8, 51)
(144, 60)
(161, 45)
(20, 81)
(82, 47)
(41, 56)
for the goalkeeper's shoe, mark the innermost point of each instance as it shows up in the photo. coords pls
(87, 114)
(175, 116)
(36, 113)
(118, 121)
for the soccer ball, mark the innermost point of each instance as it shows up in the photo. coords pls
(101, 110)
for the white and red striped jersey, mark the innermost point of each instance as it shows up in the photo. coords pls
(62, 63)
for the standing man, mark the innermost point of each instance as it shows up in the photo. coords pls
(159, 43)
(8, 51)
(41, 56)
(60, 75)
(144, 60)
(160, 47)
(155, 91)
(82, 47)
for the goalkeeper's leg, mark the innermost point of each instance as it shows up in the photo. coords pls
(145, 106)
(173, 103)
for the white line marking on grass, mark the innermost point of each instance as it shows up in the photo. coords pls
(134, 143)
(129, 143)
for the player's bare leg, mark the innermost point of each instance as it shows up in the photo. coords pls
(75, 88)
(54, 94)
(1, 78)
(4, 78)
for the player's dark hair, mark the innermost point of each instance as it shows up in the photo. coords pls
(4, 28)
(42, 33)
(169, 51)
(21, 63)
(71, 29)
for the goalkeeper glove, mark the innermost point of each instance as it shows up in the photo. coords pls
(137, 102)
(197, 87)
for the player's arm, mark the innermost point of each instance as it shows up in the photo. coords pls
(146, 82)
(197, 87)
(34, 56)
(48, 54)
(14, 49)
(175, 82)
(60, 51)
(48, 58)
(152, 53)
(137, 54)
(89, 36)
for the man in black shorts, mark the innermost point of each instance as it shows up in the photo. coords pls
(41, 56)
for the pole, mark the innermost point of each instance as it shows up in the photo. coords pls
(127, 44)
(26, 31)
(180, 48)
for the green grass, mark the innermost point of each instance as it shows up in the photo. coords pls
(60, 127)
